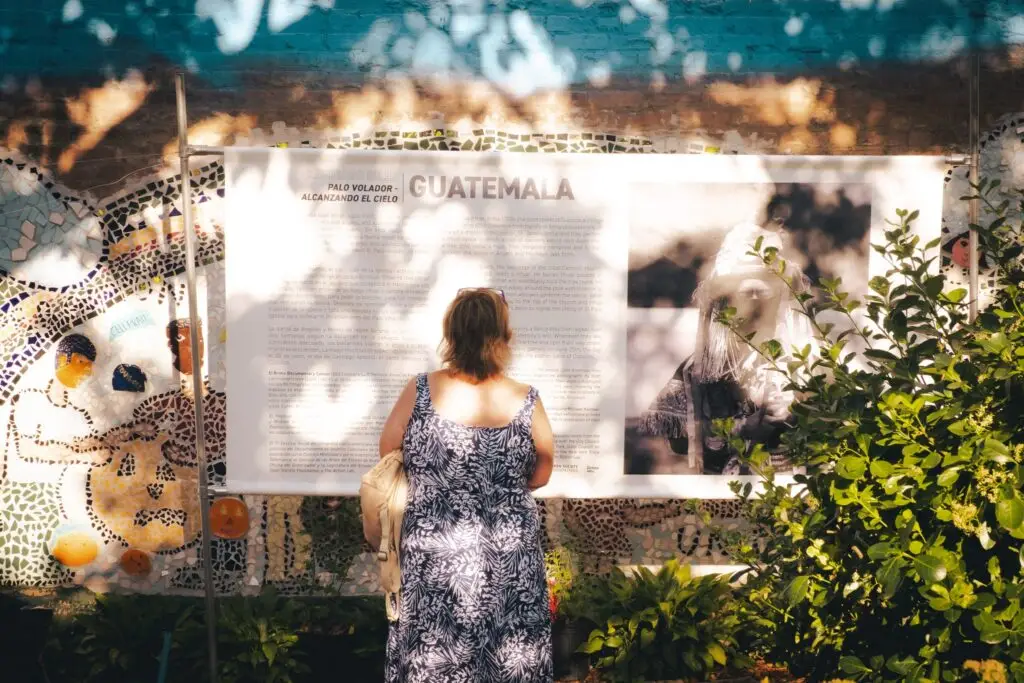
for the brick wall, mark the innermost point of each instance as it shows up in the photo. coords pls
(857, 76)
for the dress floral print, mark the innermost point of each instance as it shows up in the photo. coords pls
(474, 602)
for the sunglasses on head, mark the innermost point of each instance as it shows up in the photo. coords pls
(499, 292)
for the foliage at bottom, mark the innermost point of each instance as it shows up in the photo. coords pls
(661, 626)
(261, 639)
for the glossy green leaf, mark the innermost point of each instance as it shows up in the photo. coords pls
(880, 469)
(901, 665)
(851, 467)
(983, 601)
(879, 551)
(956, 295)
(796, 591)
(931, 568)
(879, 284)
(933, 285)
(995, 450)
(890, 576)
(990, 630)
(959, 428)
(647, 637)
(985, 537)
(852, 665)
(949, 477)
(1010, 512)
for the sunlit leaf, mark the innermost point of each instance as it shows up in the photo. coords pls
(796, 591)
(880, 469)
(949, 477)
(852, 665)
(879, 551)
(991, 631)
(956, 295)
(931, 568)
(1010, 512)
(851, 467)
(890, 576)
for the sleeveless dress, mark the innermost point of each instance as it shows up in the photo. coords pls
(474, 600)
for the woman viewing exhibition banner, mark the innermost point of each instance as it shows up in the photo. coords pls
(340, 264)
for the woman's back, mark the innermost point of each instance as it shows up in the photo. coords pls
(474, 601)
(473, 437)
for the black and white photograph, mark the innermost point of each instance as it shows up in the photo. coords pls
(691, 258)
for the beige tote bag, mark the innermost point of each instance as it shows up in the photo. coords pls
(382, 495)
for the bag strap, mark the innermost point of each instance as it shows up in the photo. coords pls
(391, 606)
(390, 597)
(385, 534)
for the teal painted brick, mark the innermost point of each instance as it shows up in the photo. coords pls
(39, 43)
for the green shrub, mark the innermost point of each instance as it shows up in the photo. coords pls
(119, 640)
(663, 625)
(256, 640)
(561, 568)
(266, 638)
(336, 530)
(357, 625)
(573, 591)
(898, 556)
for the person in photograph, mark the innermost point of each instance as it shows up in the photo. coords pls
(725, 377)
(474, 599)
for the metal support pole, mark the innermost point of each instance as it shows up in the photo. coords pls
(972, 174)
(203, 150)
(197, 375)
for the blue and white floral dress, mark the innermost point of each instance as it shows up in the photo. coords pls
(474, 601)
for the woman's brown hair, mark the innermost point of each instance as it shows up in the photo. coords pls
(477, 334)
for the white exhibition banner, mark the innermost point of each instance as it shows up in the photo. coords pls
(340, 264)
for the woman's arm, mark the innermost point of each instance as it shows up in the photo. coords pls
(393, 432)
(544, 442)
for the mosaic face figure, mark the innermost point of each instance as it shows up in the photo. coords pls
(147, 501)
(229, 518)
(46, 425)
(75, 358)
(179, 339)
(960, 252)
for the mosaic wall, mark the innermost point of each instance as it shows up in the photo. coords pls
(98, 470)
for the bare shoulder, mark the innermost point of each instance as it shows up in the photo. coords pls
(406, 399)
(517, 388)
(410, 388)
